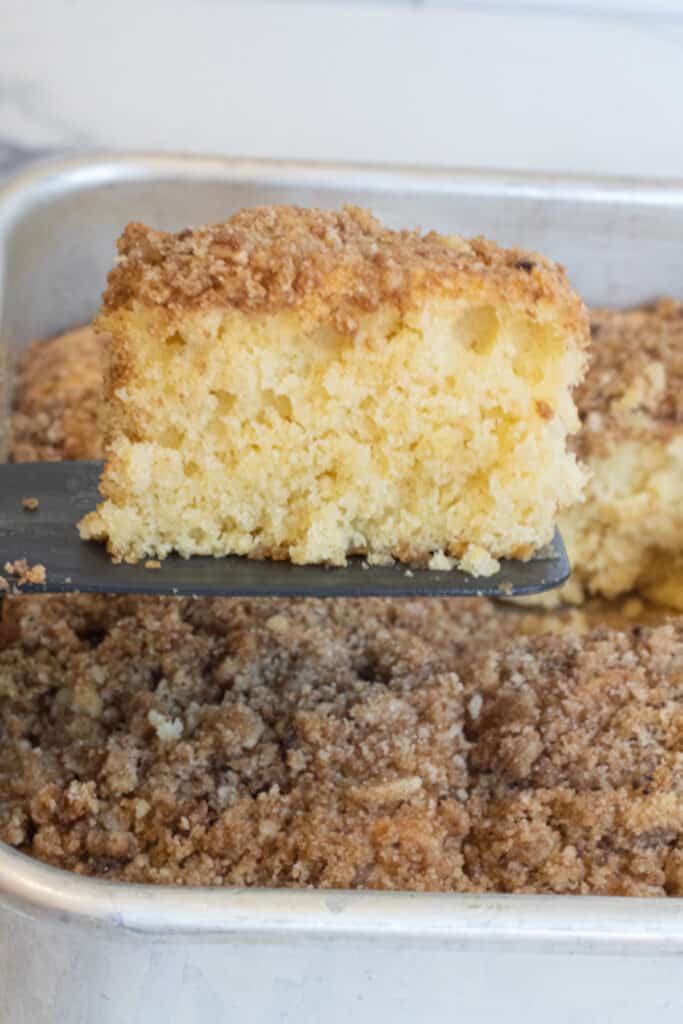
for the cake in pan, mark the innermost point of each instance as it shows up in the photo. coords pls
(628, 533)
(430, 744)
(306, 384)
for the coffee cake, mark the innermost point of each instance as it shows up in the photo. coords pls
(305, 384)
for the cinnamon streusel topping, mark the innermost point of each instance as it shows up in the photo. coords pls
(634, 386)
(57, 399)
(329, 265)
(340, 743)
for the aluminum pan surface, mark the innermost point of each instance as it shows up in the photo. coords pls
(548, 924)
(621, 243)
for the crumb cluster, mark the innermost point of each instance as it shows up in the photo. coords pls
(24, 573)
(56, 405)
(330, 264)
(634, 389)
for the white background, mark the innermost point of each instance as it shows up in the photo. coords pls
(573, 85)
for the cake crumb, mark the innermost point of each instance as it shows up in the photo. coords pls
(379, 558)
(166, 728)
(478, 561)
(142, 808)
(440, 561)
(30, 504)
(152, 563)
(25, 573)
(278, 624)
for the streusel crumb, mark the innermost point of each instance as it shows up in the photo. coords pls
(254, 743)
(340, 743)
(56, 404)
(25, 573)
(576, 755)
(332, 264)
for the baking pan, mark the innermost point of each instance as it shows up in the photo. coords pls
(77, 951)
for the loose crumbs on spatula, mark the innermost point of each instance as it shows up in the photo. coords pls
(25, 573)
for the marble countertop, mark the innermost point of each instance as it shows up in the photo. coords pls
(596, 88)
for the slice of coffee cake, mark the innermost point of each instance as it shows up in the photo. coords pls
(306, 384)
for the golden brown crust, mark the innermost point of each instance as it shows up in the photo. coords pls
(331, 266)
(634, 385)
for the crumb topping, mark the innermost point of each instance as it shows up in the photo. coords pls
(374, 744)
(634, 384)
(238, 742)
(25, 573)
(330, 265)
(575, 746)
(57, 399)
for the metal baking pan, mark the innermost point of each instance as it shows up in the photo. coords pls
(77, 951)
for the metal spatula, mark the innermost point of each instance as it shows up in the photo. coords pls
(64, 491)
